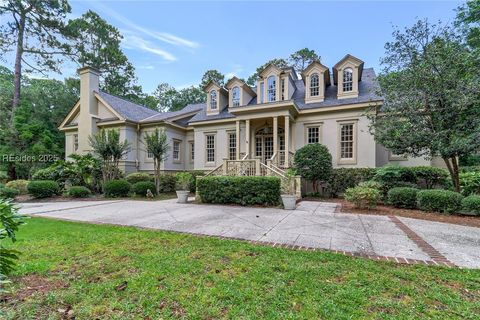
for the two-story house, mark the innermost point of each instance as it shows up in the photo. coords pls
(270, 121)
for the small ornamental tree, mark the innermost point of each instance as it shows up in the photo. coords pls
(107, 146)
(157, 145)
(431, 85)
(314, 163)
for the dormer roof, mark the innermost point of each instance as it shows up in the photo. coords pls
(268, 69)
(354, 60)
(320, 66)
(236, 81)
(214, 85)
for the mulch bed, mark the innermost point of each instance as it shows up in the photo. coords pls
(383, 210)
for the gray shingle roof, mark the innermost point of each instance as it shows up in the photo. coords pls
(368, 91)
(127, 109)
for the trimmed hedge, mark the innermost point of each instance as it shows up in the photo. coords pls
(43, 188)
(444, 201)
(116, 188)
(78, 192)
(135, 177)
(470, 183)
(471, 204)
(240, 190)
(141, 188)
(19, 185)
(343, 178)
(403, 197)
(167, 183)
(8, 193)
(363, 197)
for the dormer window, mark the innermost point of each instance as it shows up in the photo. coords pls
(272, 89)
(347, 80)
(213, 99)
(262, 90)
(236, 96)
(314, 85)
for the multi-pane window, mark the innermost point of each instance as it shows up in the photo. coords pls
(75, 142)
(213, 99)
(176, 150)
(282, 88)
(314, 85)
(232, 146)
(236, 96)
(313, 135)
(272, 89)
(258, 147)
(210, 146)
(347, 80)
(149, 155)
(192, 151)
(262, 92)
(347, 140)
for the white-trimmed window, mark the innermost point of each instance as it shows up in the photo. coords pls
(236, 96)
(213, 99)
(347, 141)
(272, 89)
(210, 147)
(75, 142)
(192, 150)
(232, 146)
(314, 85)
(262, 92)
(176, 150)
(149, 155)
(313, 134)
(282, 88)
(347, 80)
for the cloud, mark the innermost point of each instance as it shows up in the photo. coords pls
(162, 36)
(132, 41)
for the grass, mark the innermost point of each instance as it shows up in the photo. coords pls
(101, 271)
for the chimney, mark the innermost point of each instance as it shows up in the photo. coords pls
(89, 84)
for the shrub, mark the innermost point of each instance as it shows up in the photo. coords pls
(193, 180)
(3, 177)
(167, 183)
(135, 177)
(141, 188)
(403, 197)
(371, 184)
(183, 180)
(344, 178)
(19, 185)
(78, 192)
(43, 188)
(470, 183)
(469, 169)
(314, 163)
(471, 204)
(116, 188)
(10, 221)
(430, 177)
(389, 175)
(444, 201)
(362, 197)
(240, 190)
(8, 193)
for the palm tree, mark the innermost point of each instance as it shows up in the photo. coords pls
(157, 146)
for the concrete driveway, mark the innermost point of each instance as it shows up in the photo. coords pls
(312, 224)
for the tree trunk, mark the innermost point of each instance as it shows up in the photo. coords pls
(452, 166)
(18, 66)
(157, 175)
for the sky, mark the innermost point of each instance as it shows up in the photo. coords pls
(176, 42)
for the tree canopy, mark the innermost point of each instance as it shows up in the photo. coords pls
(431, 87)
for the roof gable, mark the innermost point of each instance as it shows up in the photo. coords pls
(126, 109)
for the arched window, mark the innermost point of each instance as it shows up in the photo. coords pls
(272, 89)
(347, 80)
(213, 100)
(314, 85)
(236, 96)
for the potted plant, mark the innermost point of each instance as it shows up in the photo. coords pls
(183, 186)
(288, 190)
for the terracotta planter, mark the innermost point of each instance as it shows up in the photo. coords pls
(289, 201)
(182, 196)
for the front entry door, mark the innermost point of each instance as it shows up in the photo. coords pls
(264, 147)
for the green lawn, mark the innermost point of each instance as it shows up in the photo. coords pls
(81, 267)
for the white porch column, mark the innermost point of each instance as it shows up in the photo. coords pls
(275, 135)
(247, 137)
(287, 139)
(237, 142)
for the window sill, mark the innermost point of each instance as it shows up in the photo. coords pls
(347, 161)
